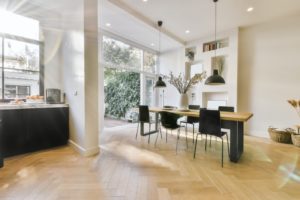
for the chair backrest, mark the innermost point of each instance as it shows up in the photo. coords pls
(210, 122)
(226, 108)
(169, 120)
(144, 113)
(193, 119)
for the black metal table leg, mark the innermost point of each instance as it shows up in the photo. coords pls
(142, 131)
(236, 138)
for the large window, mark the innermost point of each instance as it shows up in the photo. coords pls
(128, 79)
(20, 57)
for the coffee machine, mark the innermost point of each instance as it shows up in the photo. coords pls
(53, 96)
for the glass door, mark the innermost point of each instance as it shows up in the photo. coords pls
(149, 95)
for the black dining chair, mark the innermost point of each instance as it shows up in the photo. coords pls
(191, 120)
(225, 109)
(144, 117)
(210, 124)
(169, 122)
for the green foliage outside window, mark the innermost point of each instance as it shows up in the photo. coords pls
(122, 92)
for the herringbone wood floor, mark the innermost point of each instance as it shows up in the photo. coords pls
(131, 169)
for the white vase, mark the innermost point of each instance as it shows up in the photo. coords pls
(184, 101)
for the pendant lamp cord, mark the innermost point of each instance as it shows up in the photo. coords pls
(159, 23)
(215, 27)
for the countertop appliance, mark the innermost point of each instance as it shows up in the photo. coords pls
(53, 96)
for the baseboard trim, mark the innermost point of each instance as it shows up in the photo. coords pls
(261, 134)
(84, 152)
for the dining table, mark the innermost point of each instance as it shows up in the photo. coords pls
(234, 121)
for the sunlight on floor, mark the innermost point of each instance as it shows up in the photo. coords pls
(137, 156)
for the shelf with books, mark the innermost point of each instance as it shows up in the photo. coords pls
(213, 45)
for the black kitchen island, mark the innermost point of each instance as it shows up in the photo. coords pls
(27, 128)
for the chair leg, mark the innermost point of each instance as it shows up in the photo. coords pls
(157, 137)
(178, 135)
(228, 147)
(222, 152)
(160, 132)
(210, 142)
(186, 140)
(137, 130)
(205, 141)
(166, 135)
(193, 133)
(149, 133)
(195, 146)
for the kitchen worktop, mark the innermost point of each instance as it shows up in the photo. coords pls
(8, 106)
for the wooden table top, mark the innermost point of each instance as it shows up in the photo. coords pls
(232, 116)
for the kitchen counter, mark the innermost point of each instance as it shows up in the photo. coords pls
(8, 106)
(28, 127)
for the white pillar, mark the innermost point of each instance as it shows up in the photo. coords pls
(91, 76)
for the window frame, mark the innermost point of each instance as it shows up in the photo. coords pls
(143, 74)
(4, 36)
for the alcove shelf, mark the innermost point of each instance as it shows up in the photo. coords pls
(213, 45)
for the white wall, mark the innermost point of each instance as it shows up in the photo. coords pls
(80, 75)
(171, 61)
(52, 39)
(269, 73)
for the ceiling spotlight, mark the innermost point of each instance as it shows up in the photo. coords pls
(145, 0)
(108, 24)
(152, 44)
(250, 9)
(187, 31)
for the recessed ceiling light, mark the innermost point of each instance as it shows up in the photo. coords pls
(152, 44)
(145, 0)
(250, 9)
(108, 24)
(187, 31)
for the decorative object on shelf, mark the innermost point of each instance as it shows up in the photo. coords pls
(160, 83)
(218, 63)
(215, 78)
(281, 136)
(190, 55)
(183, 85)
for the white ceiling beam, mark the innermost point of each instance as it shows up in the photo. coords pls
(146, 20)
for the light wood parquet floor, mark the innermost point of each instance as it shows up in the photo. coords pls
(131, 169)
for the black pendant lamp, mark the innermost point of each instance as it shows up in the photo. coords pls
(215, 78)
(159, 83)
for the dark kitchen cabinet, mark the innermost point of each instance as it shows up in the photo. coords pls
(28, 130)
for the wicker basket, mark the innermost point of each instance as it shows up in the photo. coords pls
(282, 136)
(296, 139)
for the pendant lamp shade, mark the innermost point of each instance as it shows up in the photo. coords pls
(160, 83)
(215, 78)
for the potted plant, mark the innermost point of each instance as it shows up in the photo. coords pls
(183, 85)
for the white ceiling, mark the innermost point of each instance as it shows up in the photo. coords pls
(133, 29)
(135, 20)
(198, 15)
